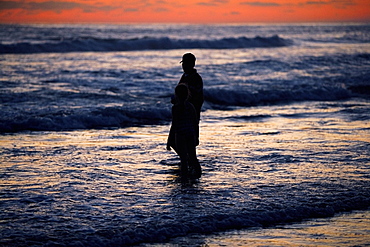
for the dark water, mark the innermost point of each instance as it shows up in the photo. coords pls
(284, 133)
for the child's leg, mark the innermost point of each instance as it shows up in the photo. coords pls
(182, 151)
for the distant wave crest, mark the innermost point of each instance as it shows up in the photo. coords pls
(87, 44)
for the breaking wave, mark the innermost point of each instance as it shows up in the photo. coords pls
(92, 44)
(110, 117)
(226, 97)
(116, 117)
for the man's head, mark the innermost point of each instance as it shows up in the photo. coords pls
(188, 62)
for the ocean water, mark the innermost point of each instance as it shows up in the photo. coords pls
(85, 113)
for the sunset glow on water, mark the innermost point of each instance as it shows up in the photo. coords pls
(95, 180)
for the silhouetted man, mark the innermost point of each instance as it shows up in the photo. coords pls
(193, 80)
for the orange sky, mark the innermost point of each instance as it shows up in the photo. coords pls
(183, 11)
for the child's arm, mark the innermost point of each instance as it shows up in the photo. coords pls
(171, 135)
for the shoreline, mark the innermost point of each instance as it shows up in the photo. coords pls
(344, 229)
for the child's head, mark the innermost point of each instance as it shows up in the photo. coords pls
(182, 92)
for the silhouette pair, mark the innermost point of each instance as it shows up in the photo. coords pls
(187, 104)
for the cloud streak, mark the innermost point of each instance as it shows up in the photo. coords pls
(56, 6)
(261, 4)
(335, 3)
(213, 3)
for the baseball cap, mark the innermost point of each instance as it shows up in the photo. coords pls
(188, 57)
